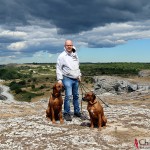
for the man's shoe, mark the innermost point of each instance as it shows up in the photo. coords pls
(67, 117)
(81, 116)
(77, 115)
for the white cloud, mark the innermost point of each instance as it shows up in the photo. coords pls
(17, 46)
(15, 34)
(42, 54)
(115, 34)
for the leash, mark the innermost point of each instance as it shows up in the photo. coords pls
(85, 87)
(81, 94)
(82, 86)
(103, 102)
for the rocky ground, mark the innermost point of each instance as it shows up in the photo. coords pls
(23, 126)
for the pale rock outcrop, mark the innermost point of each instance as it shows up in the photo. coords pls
(116, 85)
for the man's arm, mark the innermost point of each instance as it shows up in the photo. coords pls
(59, 71)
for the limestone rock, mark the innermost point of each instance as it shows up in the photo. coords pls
(116, 85)
(144, 73)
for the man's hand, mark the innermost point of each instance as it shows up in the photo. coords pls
(60, 82)
(79, 78)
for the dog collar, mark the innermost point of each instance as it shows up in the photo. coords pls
(53, 95)
(92, 103)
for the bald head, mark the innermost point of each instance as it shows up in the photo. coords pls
(68, 46)
(68, 42)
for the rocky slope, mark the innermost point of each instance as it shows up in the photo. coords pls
(23, 125)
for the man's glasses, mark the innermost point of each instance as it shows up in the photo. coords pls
(68, 45)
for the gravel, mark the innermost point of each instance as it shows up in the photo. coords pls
(23, 126)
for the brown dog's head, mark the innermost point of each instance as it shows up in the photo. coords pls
(57, 88)
(90, 96)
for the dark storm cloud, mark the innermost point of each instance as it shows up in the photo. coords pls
(73, 16)
(28, 27)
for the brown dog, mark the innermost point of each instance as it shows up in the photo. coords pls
(54, 110)
(95, 110)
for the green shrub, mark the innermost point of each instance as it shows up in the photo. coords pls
(23, 82)
(33, 86)
(29, 80)
(18, 90)
(12, 83)
(15, 86)
(42, 86)
(10, 73)
(27, 96)
(34, 80)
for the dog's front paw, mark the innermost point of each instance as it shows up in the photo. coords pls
(61, 121)
(53, 122)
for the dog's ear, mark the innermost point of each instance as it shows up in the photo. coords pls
(54, 87)
(94, 96)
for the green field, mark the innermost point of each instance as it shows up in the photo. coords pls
(28, 81)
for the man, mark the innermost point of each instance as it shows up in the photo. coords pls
(68, 73)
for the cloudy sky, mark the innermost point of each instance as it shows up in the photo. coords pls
(102, 30)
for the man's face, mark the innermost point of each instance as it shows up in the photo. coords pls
(68, 46)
